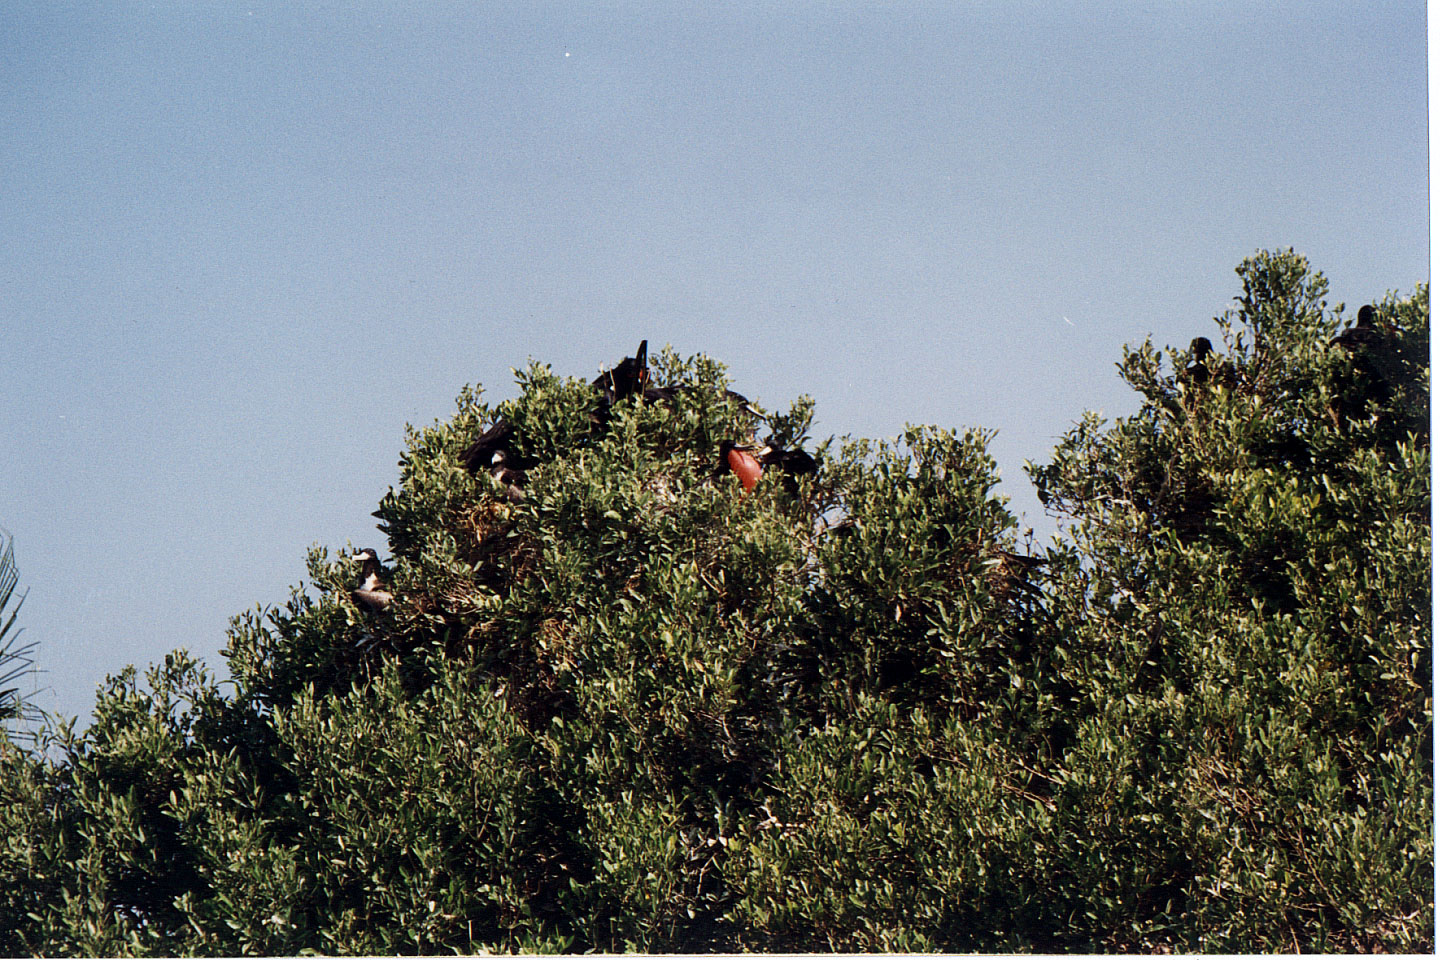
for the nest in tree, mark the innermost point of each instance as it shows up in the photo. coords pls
(1007, 573)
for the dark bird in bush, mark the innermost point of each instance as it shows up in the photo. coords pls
(1197, 371)
(628, 377)
(1377, 366)
(496, 442)
(740, 461)
(494, 450)
(510, 478)
(792, 463)
(1205, 365)
(371, 595)
(1364, 334)
(1205, 368)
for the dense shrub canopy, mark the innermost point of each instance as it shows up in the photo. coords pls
(642, 709)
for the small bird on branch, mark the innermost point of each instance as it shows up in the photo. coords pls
(371, 595)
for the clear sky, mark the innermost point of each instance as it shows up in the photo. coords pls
(242, 245)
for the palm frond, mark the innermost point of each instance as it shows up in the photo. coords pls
(15, 658)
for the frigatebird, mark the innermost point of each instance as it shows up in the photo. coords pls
(740, 461)
(511, 479)
(1364, 334)
(792, 464)
(494, 450)
(748, 464)
(629, 376)
(1206, 367)
(1378, 367)
(497, 444)
(1197, 371)
(371, 595)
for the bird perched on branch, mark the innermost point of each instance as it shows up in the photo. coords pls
(1377, 369)
(792, 463)
(494, 450)
(625, 379)
(628, 377)
(1206, 366)
(1365, 333)
(1197, 371)
(748, 464)
(371, 595)
(498, 439)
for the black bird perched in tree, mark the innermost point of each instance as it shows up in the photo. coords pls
(747, 463)
(1197, 371)
(1205, 368)
(498, 439)
(629, 376)
(1364, 334)
(1377, 368)
(792, 464)
(371, 595)
(511, 479)
(494, 450)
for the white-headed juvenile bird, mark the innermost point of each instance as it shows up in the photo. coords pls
(371, 595)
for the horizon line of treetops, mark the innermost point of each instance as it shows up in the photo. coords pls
(496, 451)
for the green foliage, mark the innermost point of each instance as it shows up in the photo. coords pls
(642, 710)
(1252, 660)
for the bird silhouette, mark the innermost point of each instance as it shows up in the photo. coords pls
(498, 439)
(1364, 334)
(1376, 368)
(628, 377)
(1197, 371)
(510, 478)
(792, 463)
(1206, 368)
(625, 379)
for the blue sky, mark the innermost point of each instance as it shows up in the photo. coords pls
(245, 244)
